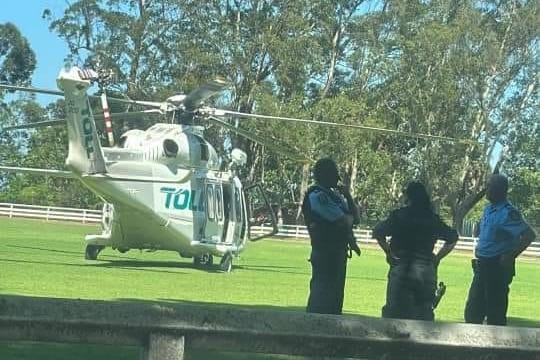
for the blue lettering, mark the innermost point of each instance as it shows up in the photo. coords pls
(182, 199)
(184, 195)
(87, 132)
(168, 197)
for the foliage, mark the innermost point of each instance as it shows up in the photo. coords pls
(462, 69)
(17, 60)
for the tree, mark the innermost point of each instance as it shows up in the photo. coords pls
(17, 60)
(460, 69)
(463, 69)
(17, 63)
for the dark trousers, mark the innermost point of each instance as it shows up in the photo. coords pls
(488, 295)
(410, 291)
(328, 271)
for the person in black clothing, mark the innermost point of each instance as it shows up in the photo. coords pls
(412, 277)
(329, 213)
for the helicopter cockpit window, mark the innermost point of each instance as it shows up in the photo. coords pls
(210, 201)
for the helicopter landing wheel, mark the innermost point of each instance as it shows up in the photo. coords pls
(226, 263)
(204, 260)
(92, 251)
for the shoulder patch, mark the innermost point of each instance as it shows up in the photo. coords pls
(514, 215)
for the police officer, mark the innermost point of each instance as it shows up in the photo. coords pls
(329, 213)
(412, 277)
(503, 235)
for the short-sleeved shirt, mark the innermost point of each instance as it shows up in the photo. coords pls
(500, 229)
(414, 231)
(327, 204)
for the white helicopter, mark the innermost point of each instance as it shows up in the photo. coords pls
(164, 188)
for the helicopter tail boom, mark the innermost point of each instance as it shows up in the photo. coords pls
(85, 154)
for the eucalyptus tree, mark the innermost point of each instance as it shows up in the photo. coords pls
(17, 63)
(463, 69)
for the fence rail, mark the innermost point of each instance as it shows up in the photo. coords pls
(166, 331)
(50, 213)
(466, 243)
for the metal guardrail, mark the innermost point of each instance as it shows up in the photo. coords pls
(47, 213)
(168, 331)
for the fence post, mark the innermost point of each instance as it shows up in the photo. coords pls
(47, 214)
(164, 347)
(84, 216)
(11, 211)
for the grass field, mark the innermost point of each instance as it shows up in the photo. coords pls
(46, 259)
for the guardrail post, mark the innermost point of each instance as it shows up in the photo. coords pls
(164, 347)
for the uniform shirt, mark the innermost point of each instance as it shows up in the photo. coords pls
(500, 229)
(414, 231)
(327, 204)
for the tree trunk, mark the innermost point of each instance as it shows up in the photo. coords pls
(303, 189)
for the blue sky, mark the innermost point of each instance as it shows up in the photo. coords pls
(49, 48)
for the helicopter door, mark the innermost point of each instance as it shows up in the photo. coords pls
(214, 212)
(234, 224)
(262, 219)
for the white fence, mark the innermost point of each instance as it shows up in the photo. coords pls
(465, 243)
(50, 213)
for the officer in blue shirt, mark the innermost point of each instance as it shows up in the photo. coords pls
(503, 235)
(329, 213)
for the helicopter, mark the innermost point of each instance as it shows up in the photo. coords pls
(165, 188)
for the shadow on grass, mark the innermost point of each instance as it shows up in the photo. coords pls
(143, 265)
(79, 254)
(521, 322)
(306, 271)
(94, 265)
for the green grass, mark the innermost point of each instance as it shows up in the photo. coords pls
(47, 259)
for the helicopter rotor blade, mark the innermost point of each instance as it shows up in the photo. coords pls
(31, 89)
(33, 125)
(266, 140)
(130, 114)
(155, 104)
(114, 116)
(203, 92)
(221, 112)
